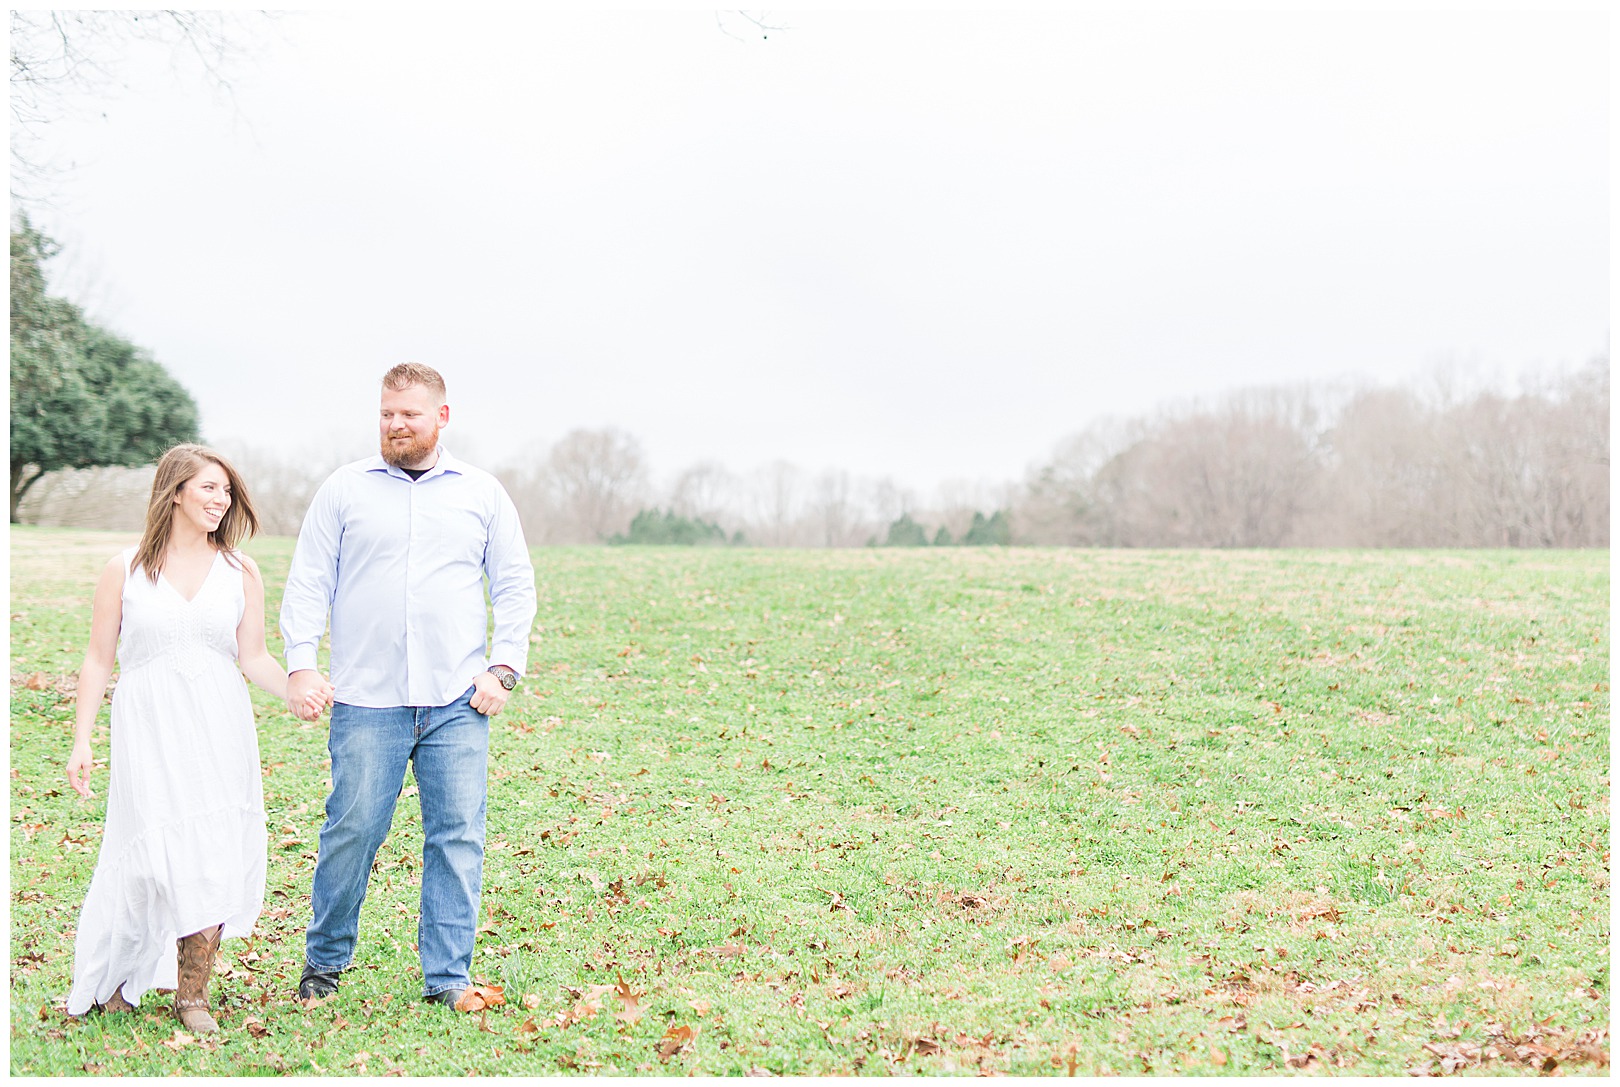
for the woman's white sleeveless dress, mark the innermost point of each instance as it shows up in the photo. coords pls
(184, 844)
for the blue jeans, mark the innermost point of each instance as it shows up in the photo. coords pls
(449, 746)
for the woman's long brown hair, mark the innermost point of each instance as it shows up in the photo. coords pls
(174, 470)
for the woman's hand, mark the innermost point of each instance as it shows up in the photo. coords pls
(308, 693)
(78, 768)
(317, 699)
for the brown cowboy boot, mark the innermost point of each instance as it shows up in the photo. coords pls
(116, 1002)
(196, 954)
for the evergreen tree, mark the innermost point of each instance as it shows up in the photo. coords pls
(994, 531)
(664, 528)
(905, 532)
(80, 395)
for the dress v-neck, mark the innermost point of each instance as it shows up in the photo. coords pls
(192, 599)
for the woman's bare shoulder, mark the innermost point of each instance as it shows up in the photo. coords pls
(113, 574)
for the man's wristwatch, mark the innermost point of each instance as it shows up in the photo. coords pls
(507, 676)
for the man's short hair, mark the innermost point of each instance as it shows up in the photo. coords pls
(407, 374)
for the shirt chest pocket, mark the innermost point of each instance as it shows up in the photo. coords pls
(447, 536)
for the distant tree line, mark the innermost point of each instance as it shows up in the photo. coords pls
(1429, 465)
(594, 486)
(1298, 467)
(1314, 467)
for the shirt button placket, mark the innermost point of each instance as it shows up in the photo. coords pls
(410, 620)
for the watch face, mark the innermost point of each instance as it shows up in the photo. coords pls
(508, 679)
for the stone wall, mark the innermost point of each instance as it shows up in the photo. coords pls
(110, 498)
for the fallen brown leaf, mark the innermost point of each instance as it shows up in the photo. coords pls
(674, 1040)
(586, 1005)
(631, 999)
(477, 998)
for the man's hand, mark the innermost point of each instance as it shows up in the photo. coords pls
(308, 693)
(488, 696)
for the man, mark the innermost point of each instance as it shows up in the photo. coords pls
(396, 548)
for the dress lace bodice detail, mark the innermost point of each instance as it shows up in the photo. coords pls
(159, 622)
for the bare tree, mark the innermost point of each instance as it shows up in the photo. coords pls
(281, 485)
(736, 24)
(706, 491)
(596, 481)
(886, 500)
(1383, 476)
(1530, 470)
(1581, 423)
(1059, 503)
(775, 498)
(527, 481)
(833, 512)
(1235, 476)
(59, 54)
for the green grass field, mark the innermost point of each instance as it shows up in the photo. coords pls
(934, 812)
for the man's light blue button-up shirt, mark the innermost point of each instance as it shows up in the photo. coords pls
(400, 566)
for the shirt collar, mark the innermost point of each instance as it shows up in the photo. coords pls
(447, 465)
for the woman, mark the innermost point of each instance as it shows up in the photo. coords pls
(182, 857)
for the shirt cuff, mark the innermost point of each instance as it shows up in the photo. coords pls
(300, 658)
(514, 658)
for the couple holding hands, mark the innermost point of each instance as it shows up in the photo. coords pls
(395, 549)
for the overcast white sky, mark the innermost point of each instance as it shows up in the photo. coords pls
(926, 245)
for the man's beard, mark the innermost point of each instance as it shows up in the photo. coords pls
(409, 453)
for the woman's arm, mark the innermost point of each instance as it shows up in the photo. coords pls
(106, 614)
(257, 663)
